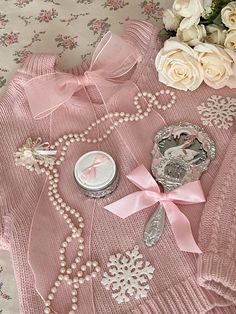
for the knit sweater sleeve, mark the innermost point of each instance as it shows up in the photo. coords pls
(15, 121)
(217, 234)
(6, 102)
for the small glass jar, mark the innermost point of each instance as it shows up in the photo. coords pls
(96, 174)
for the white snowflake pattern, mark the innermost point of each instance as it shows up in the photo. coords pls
(129, 276)
(218, 111)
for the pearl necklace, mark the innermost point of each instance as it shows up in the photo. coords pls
(48, 166)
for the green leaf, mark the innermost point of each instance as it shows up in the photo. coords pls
(218, 20)
(164, 34)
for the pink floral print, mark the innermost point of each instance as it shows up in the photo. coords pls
(22, 3)
(2, 81)
(8, 39)
(3, 20)
(85, 1)
(66, 41)
(47, 15)
(73, 17)
(21, 55)
(115, 4)
(100, 27)
(2, 294)
(151, 9)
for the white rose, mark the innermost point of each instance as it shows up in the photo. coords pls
(215, 34)
(207, 8)
(171, 20)
(230, 41)
(218, 65)
(177, 65)
(232, 79)
(192, 35)
(191, 10)
(228, 15)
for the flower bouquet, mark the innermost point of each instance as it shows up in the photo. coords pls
(200, 44)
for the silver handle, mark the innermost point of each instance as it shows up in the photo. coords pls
(154, 227)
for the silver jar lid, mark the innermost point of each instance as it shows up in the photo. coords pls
(95, 171)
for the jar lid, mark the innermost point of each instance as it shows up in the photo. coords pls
(95, 170)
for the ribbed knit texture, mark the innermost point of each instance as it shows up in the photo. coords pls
(182, 282)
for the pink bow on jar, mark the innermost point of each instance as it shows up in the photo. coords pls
(189, 193)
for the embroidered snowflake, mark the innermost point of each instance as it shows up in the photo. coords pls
(128, 276)
(218, 111)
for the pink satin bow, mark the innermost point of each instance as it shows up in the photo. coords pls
(113, 58)
(89, 173)
(190, 193)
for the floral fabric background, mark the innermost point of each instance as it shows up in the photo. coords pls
(70, 28)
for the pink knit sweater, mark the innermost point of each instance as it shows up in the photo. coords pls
(32, 230)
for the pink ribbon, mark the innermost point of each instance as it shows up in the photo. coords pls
(113, 58)
(189, 193)
(89, 173)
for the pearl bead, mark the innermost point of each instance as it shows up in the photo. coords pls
(74, 306)
(81, 280)
(72, 312)
(73, 265)
(95, 263)
(76, 285)
(79, 273)
(94, 275)
(77, 260)
(54, 289)
(97, 268)
(47, 310)
(57, 283)
(74, 300)
(47, 303)
(87, 277)
(83, 267)
(81, 246)
(50, 296)
(68, 239)
(69, 282)
(74, 292)
(60, 277)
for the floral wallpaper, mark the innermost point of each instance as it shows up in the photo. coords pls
(71, 29)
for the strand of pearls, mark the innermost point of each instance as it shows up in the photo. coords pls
(66, 271)
(116, 118)
(70, 273)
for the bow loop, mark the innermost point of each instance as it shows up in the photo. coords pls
(113, 58)
(190, 193)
